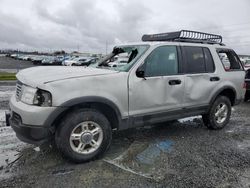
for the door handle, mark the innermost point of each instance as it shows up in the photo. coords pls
(174, 82)
(214, 79)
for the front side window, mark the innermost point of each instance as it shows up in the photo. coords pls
(163, 61)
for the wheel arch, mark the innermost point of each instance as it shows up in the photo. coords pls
(227, 91)
(105, 106)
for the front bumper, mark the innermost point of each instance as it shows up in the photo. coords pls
(28, 133)
(30, 114)
(30, 122)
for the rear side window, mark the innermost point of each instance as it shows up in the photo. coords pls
(208, 60)
(198, 60)
(195, 60)
(229, 60)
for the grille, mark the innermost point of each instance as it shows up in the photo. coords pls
(18, 90)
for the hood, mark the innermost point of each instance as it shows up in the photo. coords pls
(42, 75)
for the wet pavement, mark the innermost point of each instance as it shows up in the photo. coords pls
(182, 153)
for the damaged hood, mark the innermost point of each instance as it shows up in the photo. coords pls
(42, 75)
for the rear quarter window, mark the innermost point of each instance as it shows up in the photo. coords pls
(229, 59)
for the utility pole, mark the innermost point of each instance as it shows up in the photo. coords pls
(78, 48)
(106, 47)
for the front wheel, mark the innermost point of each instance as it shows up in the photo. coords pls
(83, 135)
(219, 113)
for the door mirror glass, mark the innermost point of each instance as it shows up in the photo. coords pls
(140, 73)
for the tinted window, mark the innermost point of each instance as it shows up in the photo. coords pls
(195, 61)
(162, 61)
(208, 60)
(229, 59)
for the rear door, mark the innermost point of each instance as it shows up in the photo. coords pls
(200, 76)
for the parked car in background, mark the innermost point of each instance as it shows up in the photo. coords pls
(247, 82)
(75, 62)
(87, 62)
(66, 58)
(247, 64)
(37, 59)
(48, 60)
(14, 56)
(120, 61)
(27, 57)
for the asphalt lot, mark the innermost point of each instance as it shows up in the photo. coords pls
(10, 63)
(183, 153)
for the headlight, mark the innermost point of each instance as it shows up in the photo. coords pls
(42, 98)
(28, 94)
(36, 96)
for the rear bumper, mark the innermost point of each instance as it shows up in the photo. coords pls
(29, 133)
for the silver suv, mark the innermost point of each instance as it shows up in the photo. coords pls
(167, 76)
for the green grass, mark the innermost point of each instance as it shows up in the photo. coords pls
(7, 76)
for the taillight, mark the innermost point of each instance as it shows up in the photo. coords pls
(244, 85)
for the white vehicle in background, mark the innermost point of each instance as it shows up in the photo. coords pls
(75, 62)
(14, 56)
(119, 62)
(247, 64)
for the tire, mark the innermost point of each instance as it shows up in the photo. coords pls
(80, 122)
(73, 64)
(214, 122)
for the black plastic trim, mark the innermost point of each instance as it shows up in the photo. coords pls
(78, 101)
(220, 90)
(141, 120)
(30, 134)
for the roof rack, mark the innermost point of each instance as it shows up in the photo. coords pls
(185, 36)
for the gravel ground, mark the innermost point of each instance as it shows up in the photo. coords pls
(183, 153)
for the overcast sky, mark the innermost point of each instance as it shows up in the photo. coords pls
(49, 25)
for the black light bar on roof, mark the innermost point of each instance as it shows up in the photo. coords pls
(185, 36)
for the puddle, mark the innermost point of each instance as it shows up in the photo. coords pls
(244, 144)
(147, 160)
(189, 119)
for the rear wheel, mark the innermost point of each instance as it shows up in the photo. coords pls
(83, 135)
(219, 113)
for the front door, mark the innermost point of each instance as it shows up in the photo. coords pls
(162, 89)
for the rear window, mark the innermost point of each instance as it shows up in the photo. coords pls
(229, 59)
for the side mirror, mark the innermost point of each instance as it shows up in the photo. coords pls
(140, 73)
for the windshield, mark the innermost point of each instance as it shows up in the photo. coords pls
(122, 58)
